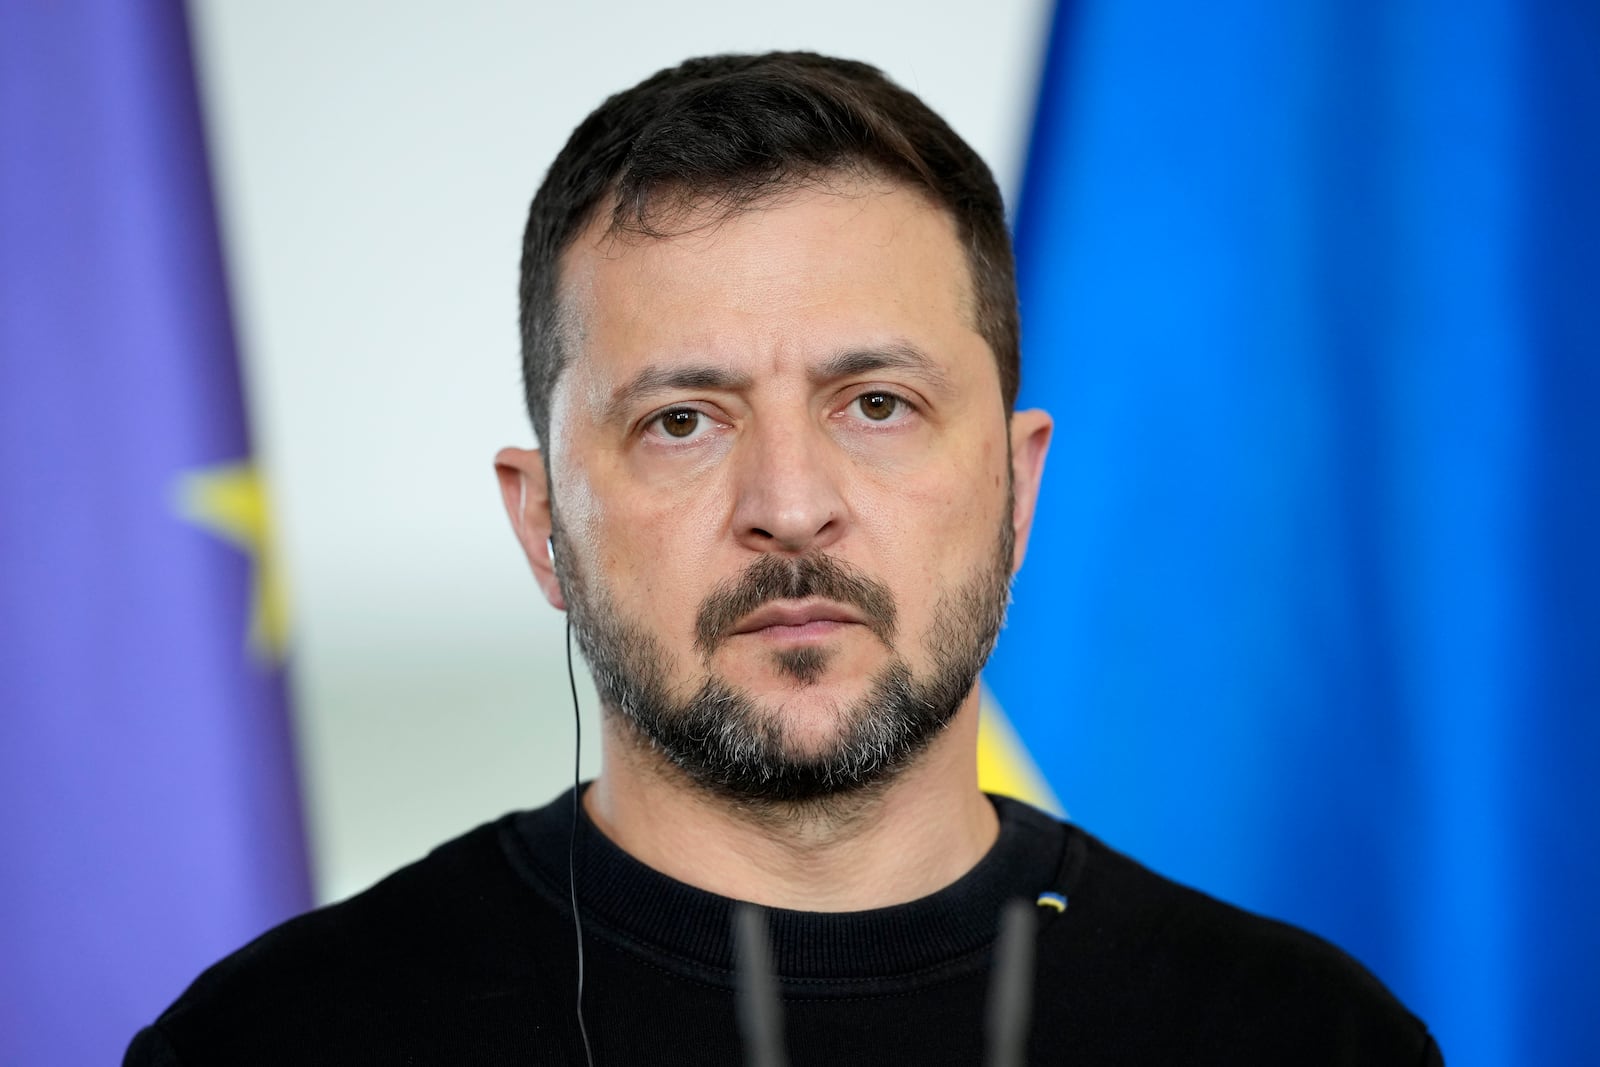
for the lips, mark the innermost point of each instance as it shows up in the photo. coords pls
(793, 599)
(798, 617)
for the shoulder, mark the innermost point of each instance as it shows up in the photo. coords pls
(425, 932)
(1209, 982)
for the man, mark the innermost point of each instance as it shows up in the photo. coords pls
(770, 351)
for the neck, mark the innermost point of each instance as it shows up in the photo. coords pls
(919, 832)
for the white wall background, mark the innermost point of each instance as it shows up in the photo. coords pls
(374, 163)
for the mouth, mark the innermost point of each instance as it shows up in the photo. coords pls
(790, 621)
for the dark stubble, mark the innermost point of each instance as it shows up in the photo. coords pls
(726, 742)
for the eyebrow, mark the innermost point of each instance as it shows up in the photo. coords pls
(895, 355)
(657, 378)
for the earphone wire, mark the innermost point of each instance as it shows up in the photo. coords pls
(572, 840)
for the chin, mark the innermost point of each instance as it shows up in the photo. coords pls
(812, 728)
(811, 698)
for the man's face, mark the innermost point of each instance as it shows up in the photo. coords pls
(782, 486)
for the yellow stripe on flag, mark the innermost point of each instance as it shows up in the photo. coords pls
(1004, 765)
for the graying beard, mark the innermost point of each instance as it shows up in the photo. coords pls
(721, 742)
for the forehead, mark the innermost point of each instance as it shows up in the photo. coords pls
(791, 278)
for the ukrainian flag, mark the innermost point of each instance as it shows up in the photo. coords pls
(1311, 614)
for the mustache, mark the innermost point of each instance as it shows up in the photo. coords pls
(777, 578)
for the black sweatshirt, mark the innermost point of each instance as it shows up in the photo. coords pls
(468, 957)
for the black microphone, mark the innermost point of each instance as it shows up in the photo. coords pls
(1011, 987)
(756, 1000)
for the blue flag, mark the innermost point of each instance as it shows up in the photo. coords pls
(1311, 290)
(150, 815)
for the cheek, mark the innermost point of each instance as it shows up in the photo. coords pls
(575, 502)
(655, 548)
(933, 527)
(589, 526)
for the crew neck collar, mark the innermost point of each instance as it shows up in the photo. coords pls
(624, 900)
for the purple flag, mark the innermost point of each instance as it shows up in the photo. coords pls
(149, 816)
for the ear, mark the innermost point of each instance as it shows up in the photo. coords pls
(526, 491)
(1030, 440)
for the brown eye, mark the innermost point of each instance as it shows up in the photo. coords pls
(878, 406)
(680, 423)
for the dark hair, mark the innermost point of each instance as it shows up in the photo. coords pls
(730, 130)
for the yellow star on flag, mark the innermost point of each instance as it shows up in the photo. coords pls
(230, 501)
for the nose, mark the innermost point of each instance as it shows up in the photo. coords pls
(789, 496)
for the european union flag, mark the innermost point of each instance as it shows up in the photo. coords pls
(1311, 290)
(150, 817)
